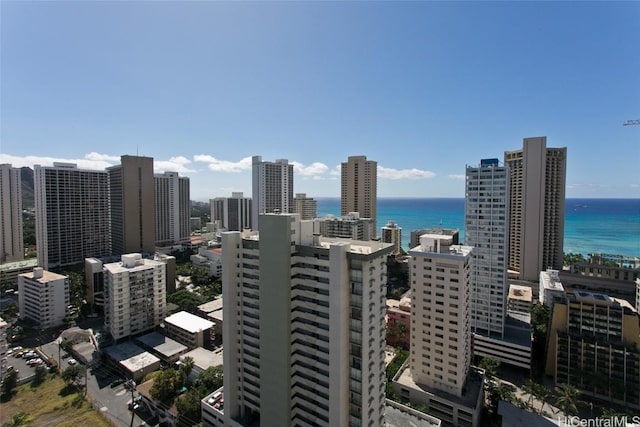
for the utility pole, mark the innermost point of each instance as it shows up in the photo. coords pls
(131, 385)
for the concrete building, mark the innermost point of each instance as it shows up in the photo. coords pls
(304, 327)
(487, 230)
(135, 295)
(398, 322)
(359, 188)
(11, 238)
(349, 226)
(306, 207)
(439, 375)
(3, 347)
(210, 258)
(173, 209)
(189, 329)
(272, 188)
(212, 311)
(233, 213)
(536, 212)
(550, 287)
(415, 235)
(131, 360)
(133, 203)
(520, 299)
(392, 233)
(165, 348)
(594, 343)
(203, 359)
(72, 214)
(10, 271)
(43, 297)
(94, 282)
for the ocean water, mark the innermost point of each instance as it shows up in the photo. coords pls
(591, 225)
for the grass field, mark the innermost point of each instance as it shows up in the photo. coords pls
(51, 404)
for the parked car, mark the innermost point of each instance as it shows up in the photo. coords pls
(117, 382)
(72, 361)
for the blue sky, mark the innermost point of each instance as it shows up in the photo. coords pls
(424, 88)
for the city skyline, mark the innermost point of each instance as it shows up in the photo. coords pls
(423, 88)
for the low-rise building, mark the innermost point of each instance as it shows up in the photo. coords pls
(398, 322)
(210, 258)
(203, 359)
(189, 329)
(167, 416)
(594, 345)
(133, 361)
(550, 287)
(212, 311)
(520, 299)
(43, 297)
(165, 348)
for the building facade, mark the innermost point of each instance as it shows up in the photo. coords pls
(233, 213)
(43, 297)
(290, 297)
(594, 343)
(349, 226)
(359, 188)
(135, 295)
(392, 233)
(173, 209)
(550, 287)
(415, 235)
(536, 212)
(306, 207)
(11, 235)
(487, 230)
(72, 214)
(132, 205)
(272, 188)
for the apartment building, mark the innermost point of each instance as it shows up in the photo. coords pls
(306, 207)
(272, 188)
(11, 235)
(135, 295)
(594, 343)
(43, 297)
(415, 235)
(189, 329)
(233, 213)
(132, 205)
(392, 233)
(350, 226)
(550, 287)
(72, 214)
(536, 209)
(304, 327)
(359, 188)
(173, 209)
(439, 375)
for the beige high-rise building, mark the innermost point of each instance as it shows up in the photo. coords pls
(272, 188)
(392, 233)
(72, 214)
(537, 198)
(303, 328)
(306, 207)
(359, 188)
(133, 201)
(11, 238)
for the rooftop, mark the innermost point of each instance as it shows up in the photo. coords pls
(550, 280)
(522, 293)
(47, 276)
(188, 322)
(203, 358)
(131, 356)
(161, 344)
(213, 305)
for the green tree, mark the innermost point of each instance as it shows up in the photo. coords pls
(72, 374)
(18, 420)
(542, 394)
(40, 375)
(166, 385)
(211, 378)
(186, 300)
(567, 400)
(530, 388)
(571, 258)
(188, 407)
(490, 366)
(186, 367)
(9, 382)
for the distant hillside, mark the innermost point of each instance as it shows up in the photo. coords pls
(26, 176)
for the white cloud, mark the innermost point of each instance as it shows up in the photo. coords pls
(174, 164)
(388, 173)
(314, 169)
(102, 157)
(456, 176)
(30, 161)
(217, 165)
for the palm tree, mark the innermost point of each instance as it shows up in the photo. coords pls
(187, 366)
(542, 394)
(567, 399)
(530, 388)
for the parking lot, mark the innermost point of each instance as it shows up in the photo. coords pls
(25, 372)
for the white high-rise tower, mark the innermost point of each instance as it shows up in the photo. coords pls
(272, 188)
(11, 237)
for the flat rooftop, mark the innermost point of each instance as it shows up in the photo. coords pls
(394, 417)
(47, 276)
(188, 322)
(357, 246)
(163, 345)
(203, 358)
(141, 264)
(210, 306)
(131, 356)
(520, 293)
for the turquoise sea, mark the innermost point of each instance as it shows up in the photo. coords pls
(591, 225)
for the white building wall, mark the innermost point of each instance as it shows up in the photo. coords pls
(43, 297)
(173, 208)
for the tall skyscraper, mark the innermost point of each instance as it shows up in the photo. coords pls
(173, 209)
(537, 194)
(232, 213)
(72, 214)
(135, 294)
(359, 188)
(486, 228)
(272, 188)
(306, 207)
(11, 237)
(133, 201)
(303, 327)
